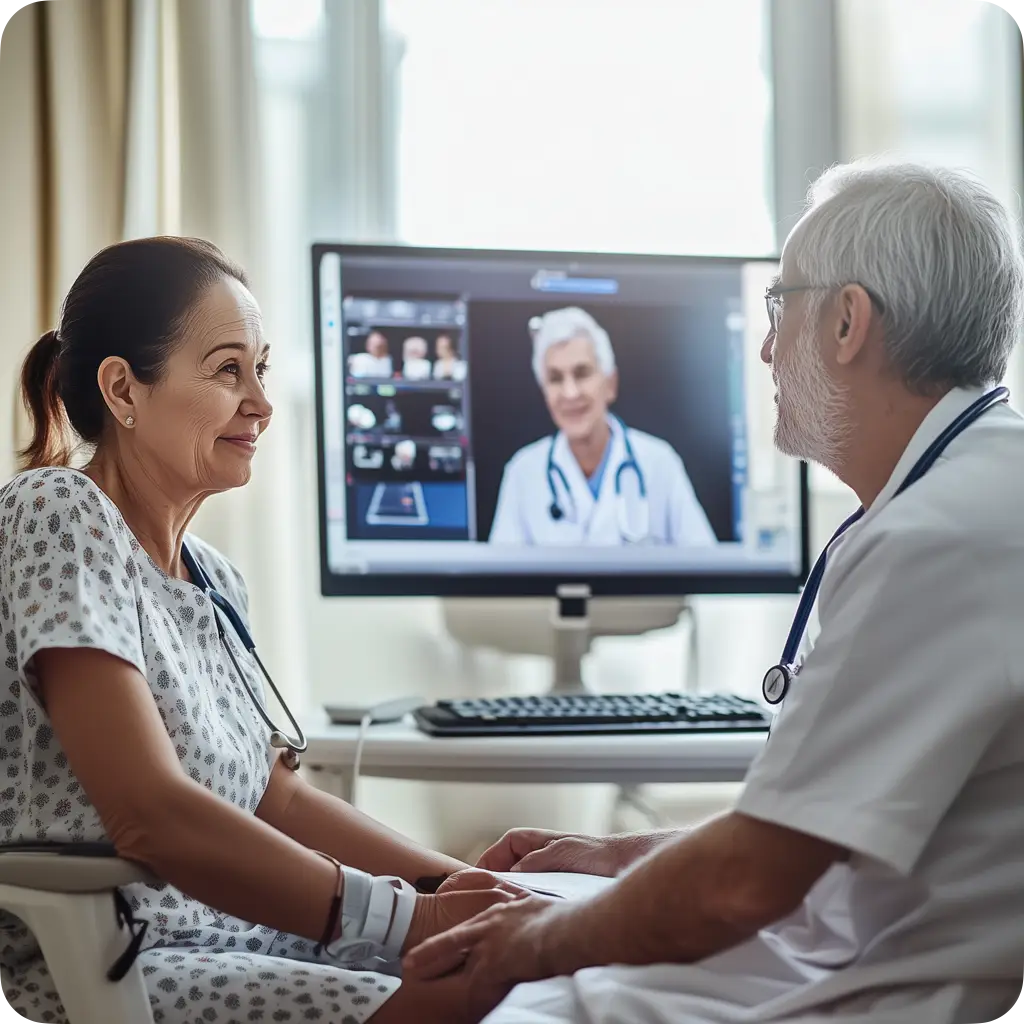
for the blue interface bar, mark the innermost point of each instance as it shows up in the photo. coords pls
(543, 282)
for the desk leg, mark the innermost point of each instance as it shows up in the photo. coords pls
(338, 782)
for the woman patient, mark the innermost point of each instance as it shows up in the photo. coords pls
(122, 717)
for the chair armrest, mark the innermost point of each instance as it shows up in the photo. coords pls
(95, 868)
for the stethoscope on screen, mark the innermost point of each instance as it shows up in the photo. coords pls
(628, 534)
(778, 678)
(222, 609)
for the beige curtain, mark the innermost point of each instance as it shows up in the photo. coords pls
(125, 118)
(63, 78)
(72, 149)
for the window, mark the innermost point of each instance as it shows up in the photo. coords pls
(641, 125)
(936, 81)
(568, 124)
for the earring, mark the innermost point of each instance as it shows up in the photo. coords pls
(129, 421)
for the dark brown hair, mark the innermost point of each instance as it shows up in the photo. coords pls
(132, 300)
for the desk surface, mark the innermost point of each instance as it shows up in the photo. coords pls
(400, 750)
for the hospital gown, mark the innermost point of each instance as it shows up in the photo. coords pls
(72, 575)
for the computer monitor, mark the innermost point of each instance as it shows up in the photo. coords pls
(503, 423)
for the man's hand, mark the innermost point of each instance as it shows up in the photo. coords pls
(536, 849)
(495, 951)
(461, 897)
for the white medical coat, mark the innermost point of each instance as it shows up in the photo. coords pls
(902, 740)
(523, 513)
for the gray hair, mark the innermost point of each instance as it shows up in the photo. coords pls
(560, 325)
(938, 250)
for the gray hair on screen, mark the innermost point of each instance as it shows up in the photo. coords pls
(560, 325)
(937, 248)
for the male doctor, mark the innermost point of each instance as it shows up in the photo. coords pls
(596, 481)
(873, 867)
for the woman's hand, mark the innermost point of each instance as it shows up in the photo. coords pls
(471, 879)
(461, 896)
(537, 849)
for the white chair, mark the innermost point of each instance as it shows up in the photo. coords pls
(67, 895)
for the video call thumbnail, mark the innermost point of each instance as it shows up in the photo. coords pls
(427, 354)
(513, 390)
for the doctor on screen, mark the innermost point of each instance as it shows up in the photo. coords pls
(595, 481)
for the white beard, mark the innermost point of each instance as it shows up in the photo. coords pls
(810, 422)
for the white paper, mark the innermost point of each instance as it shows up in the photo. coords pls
(567, 884)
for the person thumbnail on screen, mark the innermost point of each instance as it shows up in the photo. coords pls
(375, 361)
(447, 364)
(594, 480)
(415, 364)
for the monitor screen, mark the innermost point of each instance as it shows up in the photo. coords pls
(505, 422)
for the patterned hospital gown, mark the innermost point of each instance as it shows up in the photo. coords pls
(72, 575)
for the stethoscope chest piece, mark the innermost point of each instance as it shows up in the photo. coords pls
(776, 682)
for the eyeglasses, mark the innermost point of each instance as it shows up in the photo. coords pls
(773, 299)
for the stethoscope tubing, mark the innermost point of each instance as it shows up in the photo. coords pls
(554, 471)
(222, 608)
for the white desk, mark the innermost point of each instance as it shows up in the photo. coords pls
(401, 751)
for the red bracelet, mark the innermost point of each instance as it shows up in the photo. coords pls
(335, 911)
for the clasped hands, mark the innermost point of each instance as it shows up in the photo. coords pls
(498, 935)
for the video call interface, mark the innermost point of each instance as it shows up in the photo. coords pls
(506, 412)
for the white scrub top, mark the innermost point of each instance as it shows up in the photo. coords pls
(523, 513)
(455, 371)
(417, 369)
(902, 740)
(362, 364)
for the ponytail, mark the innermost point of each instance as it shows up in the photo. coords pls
(40, 391)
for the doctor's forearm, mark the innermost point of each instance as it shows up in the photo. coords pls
(320, 821)
(662, 910)
(692, 898)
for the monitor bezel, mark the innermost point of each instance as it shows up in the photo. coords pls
(333, 584)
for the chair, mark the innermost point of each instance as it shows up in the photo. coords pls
(67, 894)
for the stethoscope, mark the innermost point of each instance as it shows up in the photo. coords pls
(222, 608)
(629, 535)
(778, 678)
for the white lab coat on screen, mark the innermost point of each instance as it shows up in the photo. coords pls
(362, 364)
(523, 513)
(902, 741)
(416, 369)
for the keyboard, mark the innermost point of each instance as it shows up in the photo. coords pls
(593, 713)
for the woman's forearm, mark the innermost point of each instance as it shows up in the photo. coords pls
(322, 822)
(230, 860)
(262, 868)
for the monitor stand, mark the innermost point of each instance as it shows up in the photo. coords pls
(571, 624)
(563, 632)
